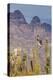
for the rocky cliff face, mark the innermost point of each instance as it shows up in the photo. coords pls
(35, 20)
(17, 17)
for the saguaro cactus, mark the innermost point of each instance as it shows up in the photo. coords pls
(24, 61)
(36, 63)
(47, 55)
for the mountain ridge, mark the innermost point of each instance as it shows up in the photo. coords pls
(23, 34)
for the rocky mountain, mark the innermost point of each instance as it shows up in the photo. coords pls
(46, 26)
(17, 17)
(35, 20)
(23, 34)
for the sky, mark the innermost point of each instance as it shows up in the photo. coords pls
(29, 11)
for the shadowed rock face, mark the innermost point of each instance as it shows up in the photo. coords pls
(17, 17)
(46, 26)
(35, 20)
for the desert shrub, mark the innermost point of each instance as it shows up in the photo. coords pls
(37, 68)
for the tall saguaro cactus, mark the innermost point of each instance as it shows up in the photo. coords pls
(24, 61)
(47, 55)
(36, 63)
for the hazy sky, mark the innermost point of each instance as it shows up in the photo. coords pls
(29, 11)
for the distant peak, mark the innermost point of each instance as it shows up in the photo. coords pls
(17, 12)
(46, 26)
(35, 20)
(18, 16)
